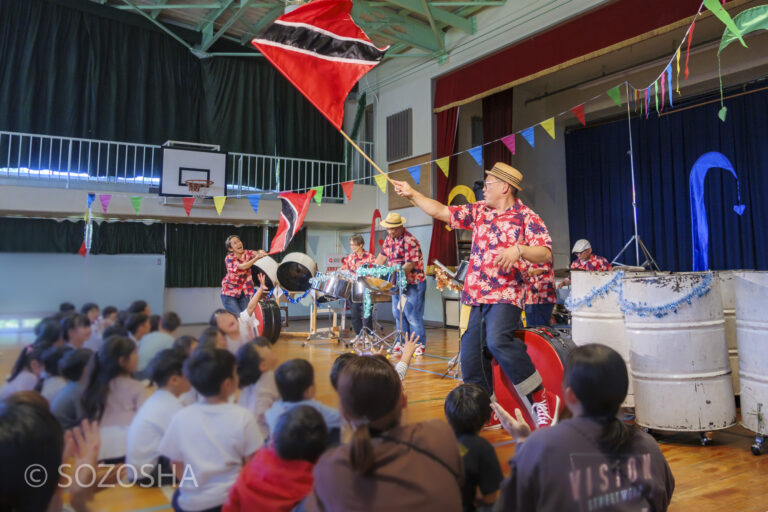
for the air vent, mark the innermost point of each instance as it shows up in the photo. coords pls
(399, 139)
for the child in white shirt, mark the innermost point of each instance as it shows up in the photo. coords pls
(240, 329)
(256, 370)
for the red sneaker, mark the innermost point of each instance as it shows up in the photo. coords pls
(546, 408)
(493, 423)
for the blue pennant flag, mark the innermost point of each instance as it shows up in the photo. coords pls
(254, 200)
(477, 154)
(529, 136)
(415, 173)
(669, 83)
(91, 197)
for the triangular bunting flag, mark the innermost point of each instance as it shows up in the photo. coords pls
(381, 181)
(509, 141)
(347, 186)
(91, 197)
(529, 135)
(218, 202)
(578, 111)
(549, 127)
(415, 172)
(477, 153)
(663, 90)
(677, 83)
(188, 203)
(669, 84)
(82, 251)
(615, 94)
(444, 164)
(105, 198)
(318, 194)
(254, 200)
(136, 202)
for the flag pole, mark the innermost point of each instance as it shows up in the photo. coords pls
(366, 156)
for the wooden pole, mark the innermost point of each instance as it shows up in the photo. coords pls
(349, 139)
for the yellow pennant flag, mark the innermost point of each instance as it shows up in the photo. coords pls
(381, 181)
(677, 58)
(444, 164)
(549, 127)
(218, 202)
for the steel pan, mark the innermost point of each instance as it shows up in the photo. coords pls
(295, 272)
(270, 321)
(378, 285)
(461, 271)
(268, 267)
(356, 294)
(334, 285)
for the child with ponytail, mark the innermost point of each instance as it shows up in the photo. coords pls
(26, 371)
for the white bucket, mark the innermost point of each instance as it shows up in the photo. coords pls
(727, 280)
(679, 361)
(752, 326)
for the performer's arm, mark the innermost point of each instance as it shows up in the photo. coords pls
(263, 290)
(408, 266)
(431, 207)
(248, 264)
(380, 259)
(534, 254)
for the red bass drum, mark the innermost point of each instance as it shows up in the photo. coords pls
(548, 349)
(270, 321)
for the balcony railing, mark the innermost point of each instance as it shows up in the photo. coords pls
(67, 162)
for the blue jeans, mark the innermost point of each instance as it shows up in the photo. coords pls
(538, 315)
(413, 313)
(235, 305)
(494, 326)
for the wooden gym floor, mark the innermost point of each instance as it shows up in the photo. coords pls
(723, 476)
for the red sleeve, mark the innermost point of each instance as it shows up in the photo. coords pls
(344, 264)
(462, 216)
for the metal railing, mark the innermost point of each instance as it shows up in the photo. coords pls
(45, 160)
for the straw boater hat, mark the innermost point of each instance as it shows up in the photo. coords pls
(393, 220)
(507, 174)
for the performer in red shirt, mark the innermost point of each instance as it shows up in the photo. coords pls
(357, 259)
(506, 237)
(541, 296)
(585, 260)
(237, 285)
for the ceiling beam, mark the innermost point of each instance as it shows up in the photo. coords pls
(384, 22)
(212, 38)
(437, 14)
(275, 12)
(206, 23)
(162, 5)
(433, 26)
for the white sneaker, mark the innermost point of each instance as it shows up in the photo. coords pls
(419, 351)
(397, 349)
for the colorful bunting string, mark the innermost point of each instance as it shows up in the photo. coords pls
(318, 194)
(688, 50)
(529, 136)
(615, 94)
(347, 186)
(444, 164)
(509, 141)
(218, 202)
(188, 203)
(477, 153)
(104, 199)
(136, 202)
(381, 181)
(578, 111)
(254, 200)
(415, 172)
(549, 127)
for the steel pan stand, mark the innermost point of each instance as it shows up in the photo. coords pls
(369, 339)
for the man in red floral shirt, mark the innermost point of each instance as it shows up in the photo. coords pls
(401, 247)
(541, 295)
(506, 237)
(585, 260)
(357, 259)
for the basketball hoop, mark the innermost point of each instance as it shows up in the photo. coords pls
(198, 188)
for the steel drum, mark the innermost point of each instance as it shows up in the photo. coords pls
(461, 271)
(295, 272)
(335, 285)
(387, 285)
(270, 321)
(356, 294)
(268, 267)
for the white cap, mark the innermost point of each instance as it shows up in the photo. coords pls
(581, 245)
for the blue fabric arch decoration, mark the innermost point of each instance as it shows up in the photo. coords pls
(699, 224)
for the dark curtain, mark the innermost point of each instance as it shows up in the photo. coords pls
(497, 123)
(47, 235)
(443, 244)
(665, 149)
(77, 74)
(195, 252)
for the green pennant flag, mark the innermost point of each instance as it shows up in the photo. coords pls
(136, 202)
(615, 94)
(318, 194)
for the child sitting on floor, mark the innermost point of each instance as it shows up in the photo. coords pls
(67, 406)
(280, 475)
(209, 442)
(153, 418)
(239, 329)
(256, 370)
(296, 382)
(467, 409)
(51, 381)
(26, 371)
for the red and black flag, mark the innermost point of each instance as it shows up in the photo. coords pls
(321, 51)
(294, 210)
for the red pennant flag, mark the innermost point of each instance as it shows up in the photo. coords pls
(688, 51)
(347, 186)
(82, 251)
(188, 202)
(578, 111)
(321, 51)
(292, 215)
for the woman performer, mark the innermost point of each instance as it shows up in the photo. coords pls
(358, 258)
(237, 285)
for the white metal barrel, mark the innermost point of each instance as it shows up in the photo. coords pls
(727, 279)
(752, 325)
(601, 321)
(679, 360)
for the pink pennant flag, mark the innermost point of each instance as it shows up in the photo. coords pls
(647, 102)
(105, 198)
(347, 187)
(509, 141)
(663, 89)
(188, 202)
(578, 111)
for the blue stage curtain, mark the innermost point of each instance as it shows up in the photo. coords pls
(600, 188)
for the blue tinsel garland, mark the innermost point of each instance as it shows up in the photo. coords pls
(598, 292)
(380, 272)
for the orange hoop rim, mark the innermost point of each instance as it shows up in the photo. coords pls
(196, 185)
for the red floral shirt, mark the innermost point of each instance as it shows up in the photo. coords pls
(541, 287)
(492, 233)
(237, 281)
(403, 250)
(593, 264)
(354, 261)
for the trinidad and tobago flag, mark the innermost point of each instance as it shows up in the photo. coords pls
(321, 51)
(294, 210)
